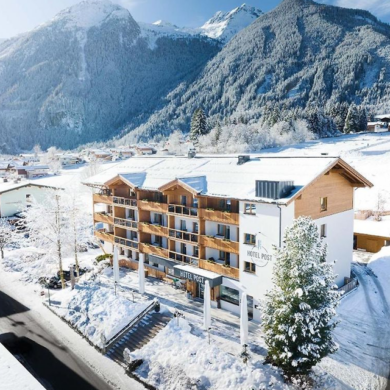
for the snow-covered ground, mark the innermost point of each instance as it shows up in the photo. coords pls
(13, 376)
(95, 310)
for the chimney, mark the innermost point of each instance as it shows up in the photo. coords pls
(243, 159)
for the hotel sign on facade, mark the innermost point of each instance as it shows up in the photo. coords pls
(194, 277)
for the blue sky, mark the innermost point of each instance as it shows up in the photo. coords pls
(17, 16)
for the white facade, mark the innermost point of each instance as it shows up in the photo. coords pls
(16, 200)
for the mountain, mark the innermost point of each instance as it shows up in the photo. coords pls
(224, 25)
(88, 72)
(301, 54)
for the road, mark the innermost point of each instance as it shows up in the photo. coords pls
(54, 365)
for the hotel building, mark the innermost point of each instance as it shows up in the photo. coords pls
(218, 218)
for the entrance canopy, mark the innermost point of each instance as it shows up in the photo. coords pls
(197, 275)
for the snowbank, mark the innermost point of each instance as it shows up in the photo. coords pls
(176, 359)
(380, 265)
(13, 376)
(95, 310)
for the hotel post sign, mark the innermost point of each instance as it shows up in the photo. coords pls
(260, 253)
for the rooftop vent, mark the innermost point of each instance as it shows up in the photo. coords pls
(243, 159)
(273, 189)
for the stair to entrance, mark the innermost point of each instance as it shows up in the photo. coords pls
(139, 335)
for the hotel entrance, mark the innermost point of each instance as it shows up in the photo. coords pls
(200, 290)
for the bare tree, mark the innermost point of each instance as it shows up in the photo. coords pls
(380, 205)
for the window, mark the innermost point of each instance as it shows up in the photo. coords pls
(132, 193)
(195, 202)
(249, 239)
(196, 251)
(195, 227)
(183, 225)
(224, 231)
(387, 242)
(158, 240)
(183, 200)
(158, 219)
(225, 204)
(324, 204)
(230, 295)
(28, 200)
(250, 208)
(183, 248)
(323, 231)
(224, 256)
(250, 267)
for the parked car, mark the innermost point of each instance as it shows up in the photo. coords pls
(51, 282)
(66, 273)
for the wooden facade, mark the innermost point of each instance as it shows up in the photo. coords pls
(370, 243)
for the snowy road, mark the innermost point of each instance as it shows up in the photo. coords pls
(50, 349)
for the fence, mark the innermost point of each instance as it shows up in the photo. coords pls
(352, 284)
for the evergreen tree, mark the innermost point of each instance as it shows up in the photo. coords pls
(352, 120)
(299, 310)
(362, 119)
(198, 125)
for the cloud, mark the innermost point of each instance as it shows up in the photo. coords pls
(380, 8)
(129, 4)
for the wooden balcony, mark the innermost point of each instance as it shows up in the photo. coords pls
(130, 203)
(106, 199)
(221, 244)
(184, 236)
(183, 210)
(149, 205)
(125, 242)
(103, 235)
(183, 258)
(220, 269)
(154, 250)
(220, 216)
(103, 217)
(153, 229)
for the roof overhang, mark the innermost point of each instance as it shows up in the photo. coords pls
(120, 179)
(348, 172)
(177, 183)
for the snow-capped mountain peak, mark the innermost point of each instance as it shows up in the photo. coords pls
(224, 25)
(90, 13)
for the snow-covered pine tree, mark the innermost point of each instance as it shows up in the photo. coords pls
(362, 118)
(5, 235)
(352, 120)
(299, 310)
(198, 125)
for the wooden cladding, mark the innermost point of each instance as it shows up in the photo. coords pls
(97, 198)
(333, 187)
(153, 206)
(220, 269)
(220, 216)
(102, 235)
(153, 229)
(220, 244)
(102, 217)
(154, 250)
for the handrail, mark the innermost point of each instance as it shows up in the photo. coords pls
(115, 338)
(126, 223)
(118, 200)
(126, 242)
(185, 236)
(183, 258)
(183, 210)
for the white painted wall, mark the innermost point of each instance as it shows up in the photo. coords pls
(339, 239)
(189, 223)
(211, 252)
(14, 201)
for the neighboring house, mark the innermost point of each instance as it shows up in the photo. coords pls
(377, 126)
(16, 197)
(100, 155)
(29, 171)
(69, 159)
(145, 150)
(371, 235)
(219, 218)
(384, 118)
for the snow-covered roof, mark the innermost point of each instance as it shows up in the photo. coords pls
(372, 227)
(11, 186)
(13, 375)
(221, 176)
(384, 116)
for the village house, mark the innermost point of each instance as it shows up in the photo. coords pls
(218, 218)
(385, 119)
(377, 126)
(29, 171)
(371, 235)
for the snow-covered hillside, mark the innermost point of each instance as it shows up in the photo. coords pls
(224, 25)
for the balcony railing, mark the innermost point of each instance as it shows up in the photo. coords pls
(154, 250)
(184, 236)
(104, 235)
(98, 198)
(126, 242)
(221, 244)
(126, 202)
(149, 228)
(220, 269)
(150, 205)
(103, 217)
(220, 216)
(183, 210)
(126, 223)
(183, 258)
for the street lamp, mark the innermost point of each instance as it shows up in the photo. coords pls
(178, 314)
